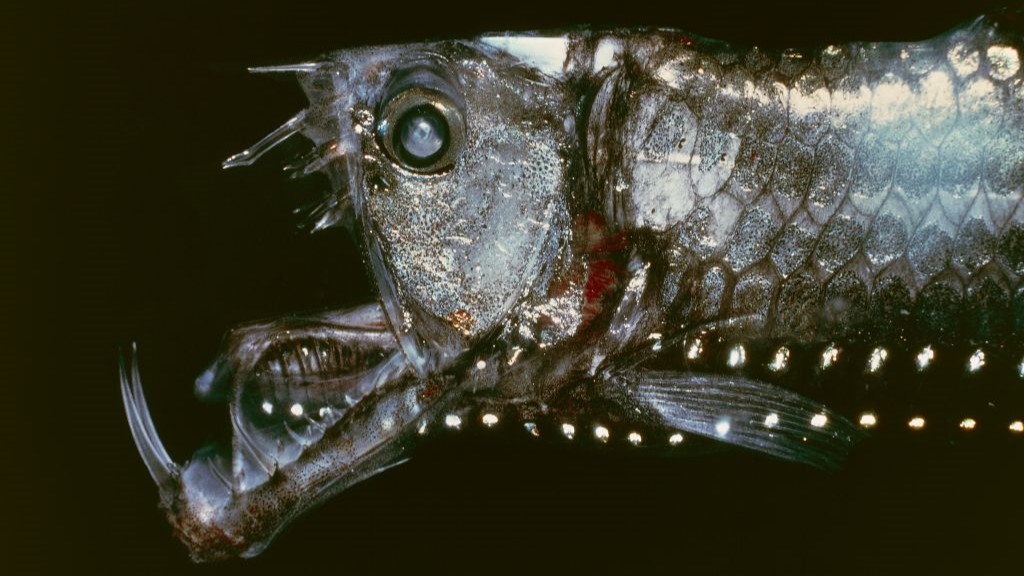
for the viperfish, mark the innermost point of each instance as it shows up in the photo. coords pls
(637, 238)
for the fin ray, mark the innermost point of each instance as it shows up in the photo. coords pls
(746, 413)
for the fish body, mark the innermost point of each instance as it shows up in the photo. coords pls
(639, 237)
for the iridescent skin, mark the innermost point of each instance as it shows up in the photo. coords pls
(637, 237)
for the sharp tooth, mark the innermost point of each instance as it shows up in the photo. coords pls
(163, 470)
(315, 160)
(246, 157)
(301, 437)
(247, 445)
(303, 67)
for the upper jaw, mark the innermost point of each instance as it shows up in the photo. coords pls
(338, 422)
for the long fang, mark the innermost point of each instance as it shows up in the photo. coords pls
(253, 153)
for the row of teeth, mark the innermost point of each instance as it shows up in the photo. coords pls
(603, 435)
(829, 358)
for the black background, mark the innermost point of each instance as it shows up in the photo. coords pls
(125, 228)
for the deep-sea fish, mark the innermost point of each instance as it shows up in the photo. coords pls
(635, 238)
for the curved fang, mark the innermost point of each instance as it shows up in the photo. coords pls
(163, 470)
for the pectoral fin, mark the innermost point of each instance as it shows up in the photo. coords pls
(745, 413)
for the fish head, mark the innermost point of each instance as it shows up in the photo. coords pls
(455, 159)
(451, 160)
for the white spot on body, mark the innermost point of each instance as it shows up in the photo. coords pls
(925, 357)
(531, 429)
(819, 420)
(695, 349)
(964, 60)
(569, 124)
(453, 421)
(670, 76)
(601, 433)
(656, 336)
(634, 438)
(516, 351)
(606, 53)
(296, 409)
(489, 420)
(968, 424)
(976, 361)
(722, 427)
(849, 104)
(868, 420)
(675, 439)
(546, 54)
(936, 98)
(916, 423)
(780, 361)
(1017, 426)
(480, 365)
(878, 356)
(891, 99)
(830, 356)
(1003, 61)
(804, 104)
(979, 98)
(737, 357)
(267, 407)
(569, 431)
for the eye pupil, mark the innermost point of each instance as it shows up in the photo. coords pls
(422, 126)
(422, 135)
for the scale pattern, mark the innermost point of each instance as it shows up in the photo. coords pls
(870, 188)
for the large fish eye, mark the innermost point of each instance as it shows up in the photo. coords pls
(421, 125)
(421, 136)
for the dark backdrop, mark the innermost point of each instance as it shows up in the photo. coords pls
(125, 228)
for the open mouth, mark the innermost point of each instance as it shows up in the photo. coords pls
(317, 404)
